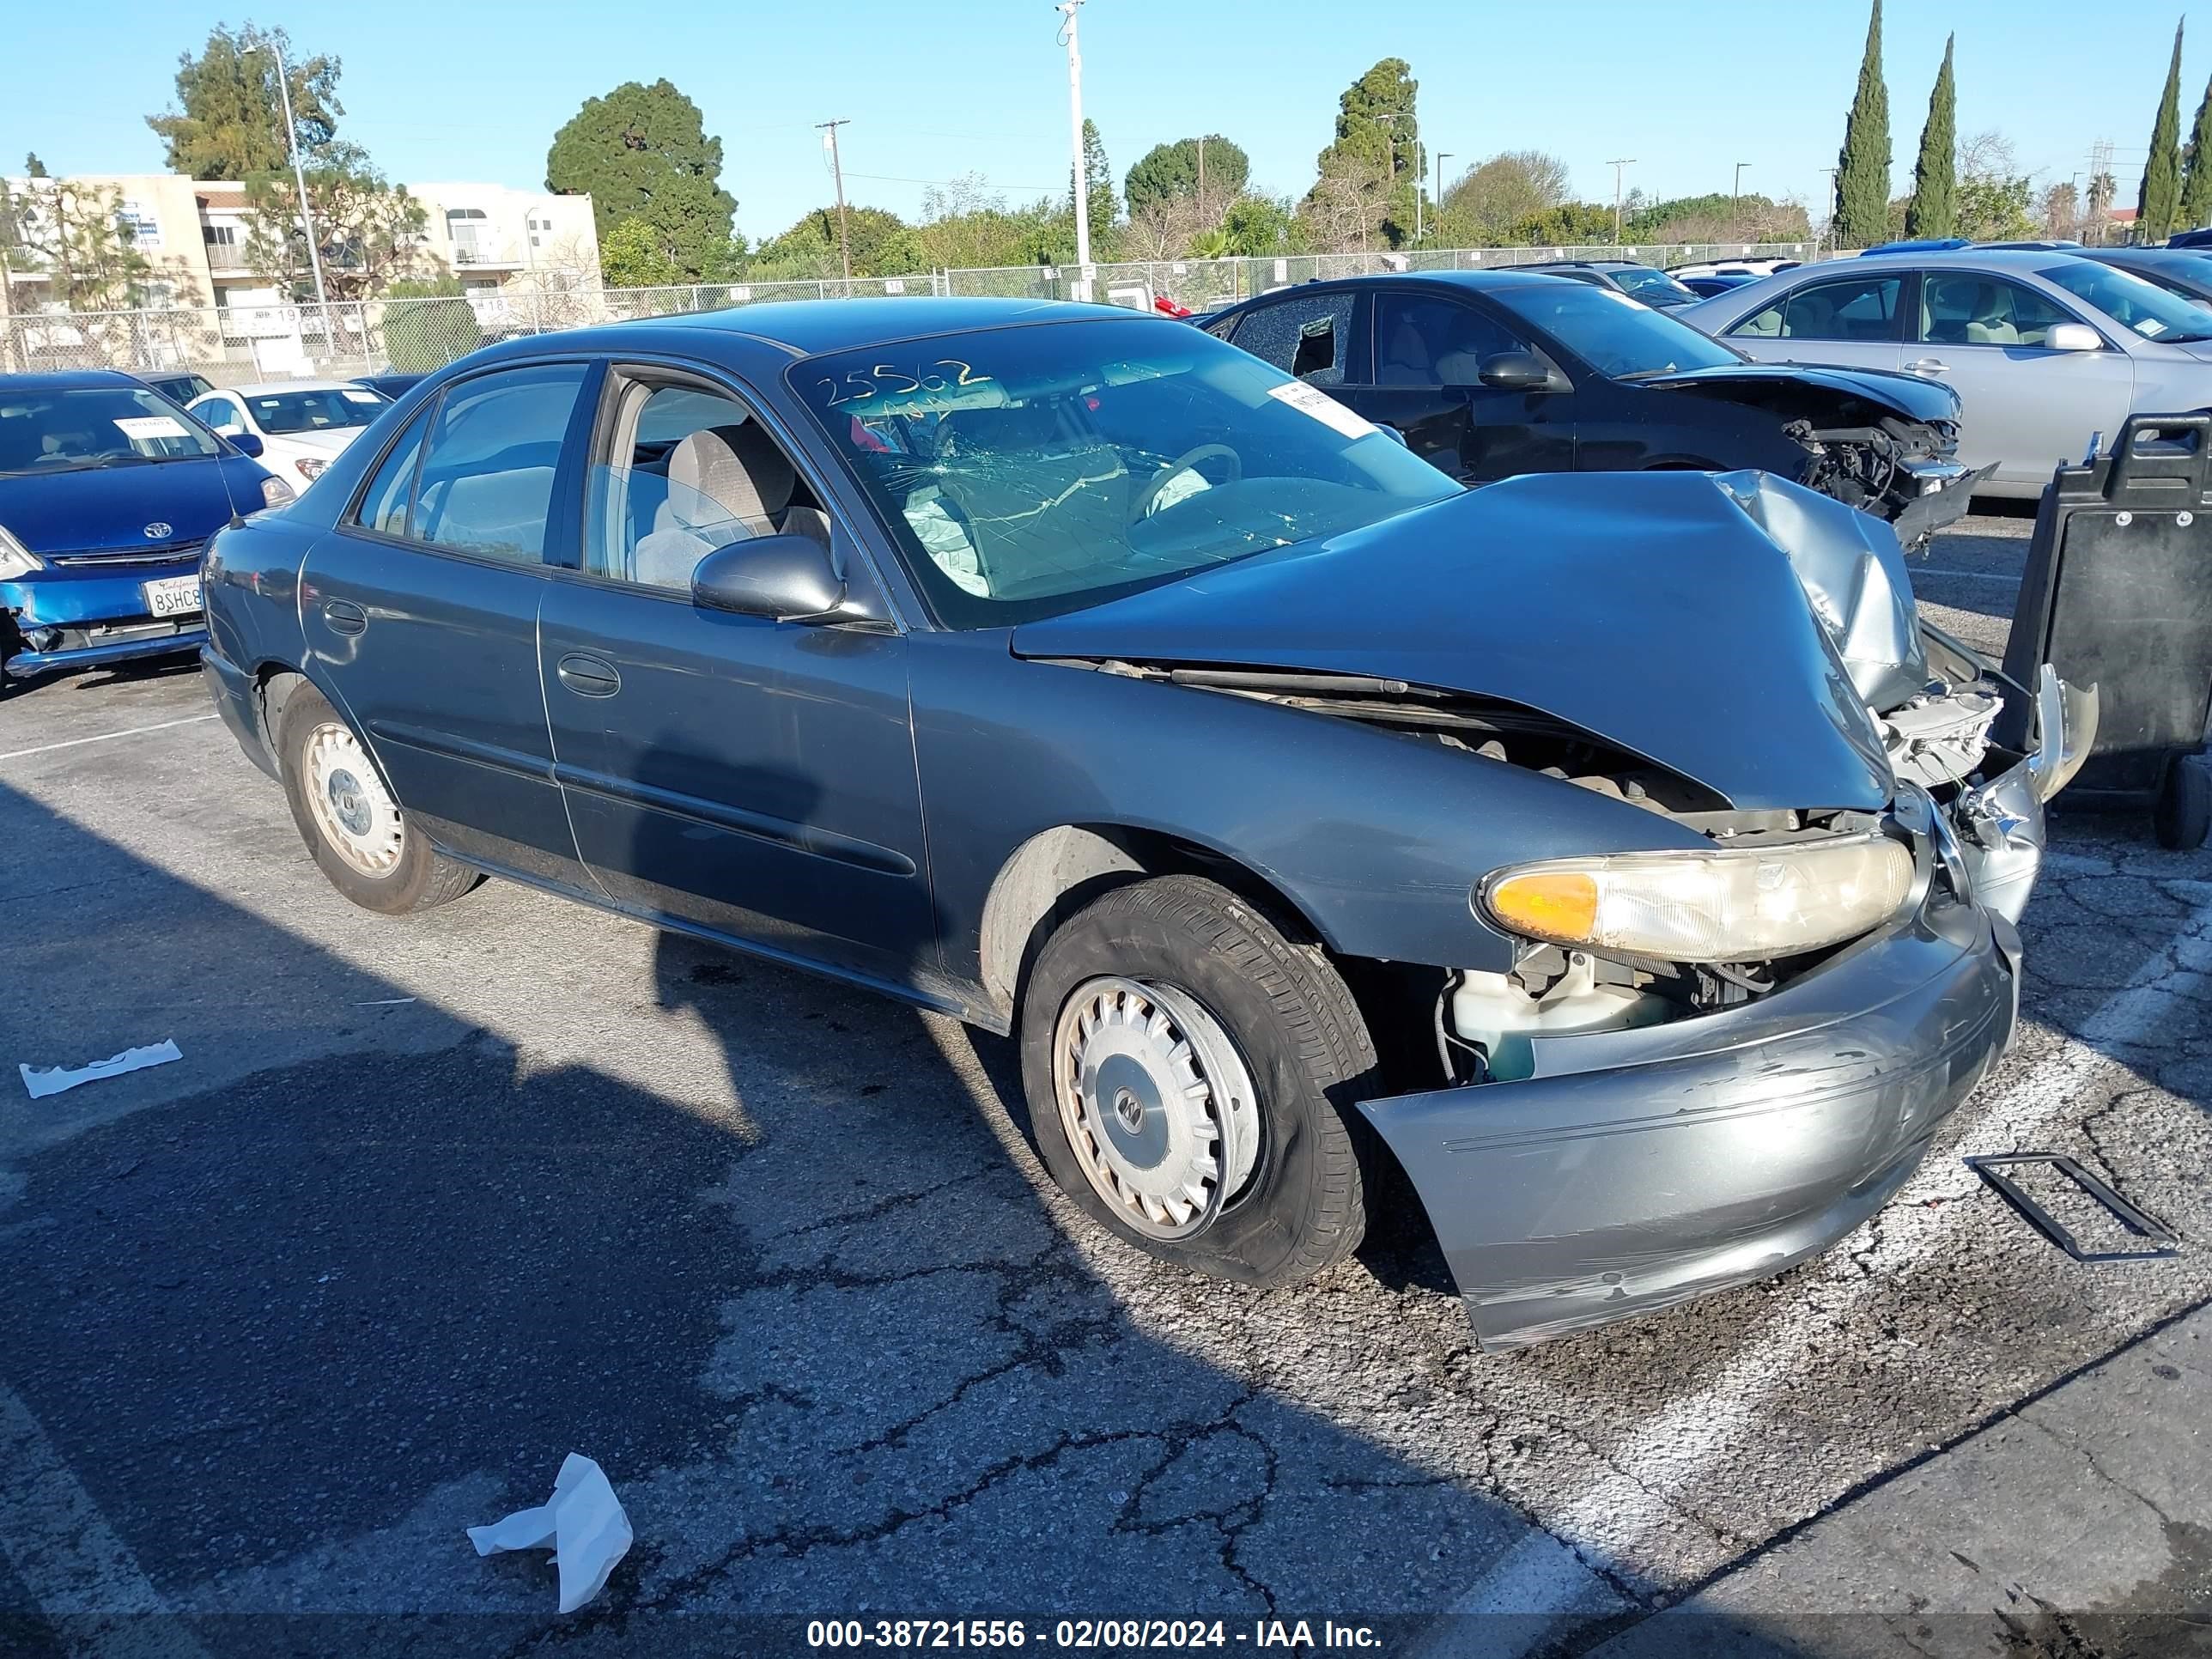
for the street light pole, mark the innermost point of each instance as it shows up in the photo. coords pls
(1442, 157)
(1735, 202)
(1067, 9)
(1624, 162)
(300, 179)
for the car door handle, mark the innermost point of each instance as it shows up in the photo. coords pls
(345, 616)
(1928, 366)
(588, 677)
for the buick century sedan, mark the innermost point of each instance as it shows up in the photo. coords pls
(1616, 857)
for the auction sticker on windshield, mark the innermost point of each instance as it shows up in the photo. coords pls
(138, 428)
(1322, 407)
(173, 595)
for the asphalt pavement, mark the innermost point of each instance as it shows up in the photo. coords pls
(427, 1204)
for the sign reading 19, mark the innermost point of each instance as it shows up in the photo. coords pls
(859, 386)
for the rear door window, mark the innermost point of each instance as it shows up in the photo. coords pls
(491, 459)
(1308, 335)
(1852, 308)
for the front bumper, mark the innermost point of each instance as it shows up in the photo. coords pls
(1931, 509)
(1643, 1168)
(83, 617)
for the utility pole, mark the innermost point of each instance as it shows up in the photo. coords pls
(1067, 9)
(1201, 177)
(837, 166)
(1625, 161)
(1829, 173)
(300, 179)
(1441, 157)
(1735, 202)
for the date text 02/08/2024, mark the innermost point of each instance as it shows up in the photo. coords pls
(1082, 1634)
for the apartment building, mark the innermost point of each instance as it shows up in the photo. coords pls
(500, 242)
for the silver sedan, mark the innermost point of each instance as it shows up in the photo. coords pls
(2047, 349)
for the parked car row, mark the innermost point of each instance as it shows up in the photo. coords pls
(1299, 809)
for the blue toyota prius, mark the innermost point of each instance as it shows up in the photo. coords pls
(108, 491)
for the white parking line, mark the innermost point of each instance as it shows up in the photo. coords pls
(1964, 576)
(78, 1572)
(106, 737)
(1670, 1451)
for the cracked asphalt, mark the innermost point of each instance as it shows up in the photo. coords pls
(428, 1204)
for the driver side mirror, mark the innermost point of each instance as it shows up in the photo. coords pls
(784, 578)
(2072, 337)
(1514, 371)
(246, 443)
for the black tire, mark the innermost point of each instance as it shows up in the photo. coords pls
(1299, 1033)
(2184, 812)
(420, 879)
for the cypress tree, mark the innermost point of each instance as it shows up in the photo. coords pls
(1934, 210)
(2161, 180)
(1862, 164)
(2197, 169)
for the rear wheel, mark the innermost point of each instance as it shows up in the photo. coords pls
(2184, 812)
(1191, 1077)
(360, 837)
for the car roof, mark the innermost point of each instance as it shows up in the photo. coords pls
(805, 327)
(62, 379)
(2029, 260)
(270, 388)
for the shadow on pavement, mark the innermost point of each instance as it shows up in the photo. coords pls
(290, 1335)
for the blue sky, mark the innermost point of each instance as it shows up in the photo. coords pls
(940, 88)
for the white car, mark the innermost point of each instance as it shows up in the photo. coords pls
(302, 424)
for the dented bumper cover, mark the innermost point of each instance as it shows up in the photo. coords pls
(1646, 1167)
(1637, 1169)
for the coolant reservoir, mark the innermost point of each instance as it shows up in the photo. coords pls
(1492, 1010)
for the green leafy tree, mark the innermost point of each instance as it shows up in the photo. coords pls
(1257, 225)
(1370, 172)
(643, 153)
(1170, 173)
(72, 233)
(2161, 196)
(1717, 216)
(427, 324)
(33, 166)
(229, 121)
(2197, 168)
(883, 245)
(1995, 196)
(630, 256)
(369, 231)
(1484, 204)
(1934, 209)
(1862, 164)
(1568, 224)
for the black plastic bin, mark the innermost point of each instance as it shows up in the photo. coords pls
(2118, 595)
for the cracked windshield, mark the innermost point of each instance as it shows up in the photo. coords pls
(1032, 470)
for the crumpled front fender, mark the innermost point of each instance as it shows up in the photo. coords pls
(1999, 827)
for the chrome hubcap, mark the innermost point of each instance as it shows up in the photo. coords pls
(358, 817)
(1157, 1103)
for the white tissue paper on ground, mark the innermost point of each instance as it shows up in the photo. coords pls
(44, 1080)
(583, 1524)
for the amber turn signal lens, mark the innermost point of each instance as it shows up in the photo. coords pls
(1548, 904)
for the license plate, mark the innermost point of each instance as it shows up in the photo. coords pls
(173, 595)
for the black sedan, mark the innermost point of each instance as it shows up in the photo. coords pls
(2185, 272)
(1489, 373)
(1646, 282)
(1070, 672)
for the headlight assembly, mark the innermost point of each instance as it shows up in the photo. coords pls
(1733, 904)
(274, 492)
(16, 559)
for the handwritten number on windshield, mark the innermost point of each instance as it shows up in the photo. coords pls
(859, 387)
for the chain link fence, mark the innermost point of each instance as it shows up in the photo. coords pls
(234, 344)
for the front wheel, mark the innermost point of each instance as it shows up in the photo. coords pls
(1191, 1077)
(360, 837)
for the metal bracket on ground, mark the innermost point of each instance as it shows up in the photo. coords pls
(2164, 1241)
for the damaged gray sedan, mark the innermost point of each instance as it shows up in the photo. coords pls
(1617, 854)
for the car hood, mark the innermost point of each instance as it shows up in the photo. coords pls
(1650, 610)
(328, 441)
(1908, 395)
(113, 507)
